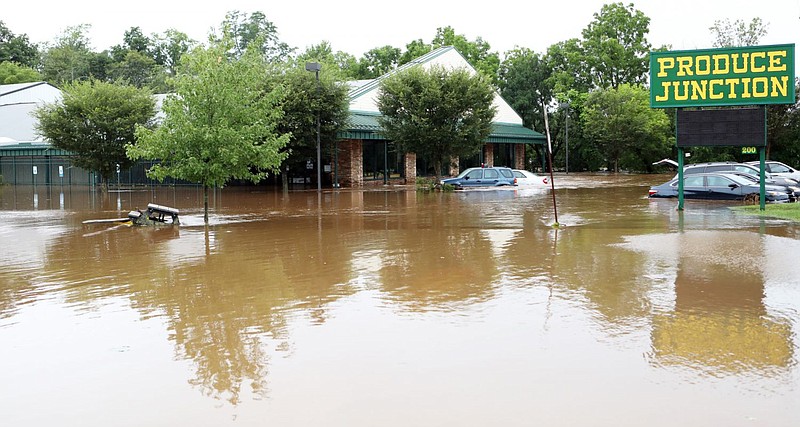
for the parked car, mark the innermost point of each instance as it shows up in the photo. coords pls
(778, 169)
(482, 177)
(718, 186)
(529, 179)
(791, 186)
(737, 167)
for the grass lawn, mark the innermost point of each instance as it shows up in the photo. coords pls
(789, 211)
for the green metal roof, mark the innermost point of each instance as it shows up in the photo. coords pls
(31, 149)
(364, 125)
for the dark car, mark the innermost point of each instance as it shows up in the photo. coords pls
(718, 186)
(790, 186)
(738, 167)
(482, 177)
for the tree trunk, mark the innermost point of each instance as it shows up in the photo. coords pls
(205, 204)
(285, 181)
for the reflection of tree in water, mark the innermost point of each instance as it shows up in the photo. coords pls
(227, 306)
(438, 267)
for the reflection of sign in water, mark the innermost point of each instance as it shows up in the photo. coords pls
(731, 341)
(720, 322)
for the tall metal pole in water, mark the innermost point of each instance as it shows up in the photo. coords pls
(550, 160)
(315, 67)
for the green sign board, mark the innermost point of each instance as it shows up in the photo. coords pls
(752, 75)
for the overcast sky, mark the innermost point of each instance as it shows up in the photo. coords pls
(356, 26)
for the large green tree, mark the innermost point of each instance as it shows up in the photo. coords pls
(615, 46)
(623, 127)
(245, 30)
(305, 98)
(437, 113)
(95, 120)
(70, 58)
(17, 48)
(220, 124)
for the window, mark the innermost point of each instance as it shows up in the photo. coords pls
(693, 181)
(475, 174)
(491, 174)
(778, 168)
(717, 181)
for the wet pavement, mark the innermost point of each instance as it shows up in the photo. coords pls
(388, 307)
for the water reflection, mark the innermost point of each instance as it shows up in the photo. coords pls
(282, 291)
(719, 323)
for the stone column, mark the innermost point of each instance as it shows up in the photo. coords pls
(519, 156)
(351, 163)
(488, 155)
(410, 171)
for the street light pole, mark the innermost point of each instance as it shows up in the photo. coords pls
(566, 135)
(315, 67)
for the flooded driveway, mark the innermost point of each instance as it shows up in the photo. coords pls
(393, 308)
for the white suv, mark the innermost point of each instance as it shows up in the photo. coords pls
(779, 169)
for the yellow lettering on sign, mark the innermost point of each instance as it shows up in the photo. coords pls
(721, 64)
(701, 62)
(732, 87)
(699, 89)
(665, 96)
(781, 85)
(762, 91)
(684, 66)
(665, 63)
(711, 93)
(739, 69)
(757, 68)
(746, 87)
(678, 95)
(775, 62)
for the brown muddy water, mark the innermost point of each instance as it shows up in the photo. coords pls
(386, 307)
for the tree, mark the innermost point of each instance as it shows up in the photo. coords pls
(438, 113)
(623, 127)
(17, 48)
(220, 124)
(11, 72)
(304, 99)
(94, 121)
(70, 58)
(169, 47)
(136, 69)
(243, 29)
(615, 46)
(477, 52)
(738, 33)
(414, 50)
(378, 61)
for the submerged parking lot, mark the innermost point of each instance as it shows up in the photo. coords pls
(394, 308)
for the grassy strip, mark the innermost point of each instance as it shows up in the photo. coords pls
(789, 211)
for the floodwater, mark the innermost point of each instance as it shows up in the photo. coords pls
(386, 307)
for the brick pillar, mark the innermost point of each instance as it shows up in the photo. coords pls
(351, 163)
(410, 171)
(488, 155)
(519, 156)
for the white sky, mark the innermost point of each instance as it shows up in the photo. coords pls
(355, 26)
